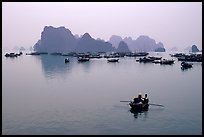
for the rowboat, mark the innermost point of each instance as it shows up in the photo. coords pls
(113, 60)
(139, 106)
(185, 65)
(66, 60)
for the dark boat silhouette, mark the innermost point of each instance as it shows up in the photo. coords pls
(185, 65)
(66, 60)
(139, 106)
(82, 59)
(113, 60)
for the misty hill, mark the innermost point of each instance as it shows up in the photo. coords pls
(62, 40)
(87, 44)
(115, 40)
(56, 40)
(142, 43)
(123, 47)
(194, 48)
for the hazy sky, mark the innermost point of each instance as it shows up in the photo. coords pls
(174, 24)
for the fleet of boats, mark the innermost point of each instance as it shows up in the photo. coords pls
(143, 57)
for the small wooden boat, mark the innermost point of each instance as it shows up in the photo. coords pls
(185, 65)
(66, 60)
(139, 106)
(167, 61)
(82, 59)
(155, 58)
(113, 60)
(145, 60)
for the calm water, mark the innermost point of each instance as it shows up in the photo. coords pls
(43, 95)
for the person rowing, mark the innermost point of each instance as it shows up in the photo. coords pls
(138, 100)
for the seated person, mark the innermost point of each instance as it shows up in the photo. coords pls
(138, 99)
(145, 100)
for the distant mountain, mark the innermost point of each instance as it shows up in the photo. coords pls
(115, 40)
(194, 48)
(142, 43)
(87, 44)
(145, 43)
(123, 47)
(56, 40)
(62, 40)
(128, 40)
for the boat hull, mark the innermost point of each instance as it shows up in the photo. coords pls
(139, 107)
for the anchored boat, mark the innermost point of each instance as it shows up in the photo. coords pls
(113, 60)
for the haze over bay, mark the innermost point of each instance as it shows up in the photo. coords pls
(175, 24)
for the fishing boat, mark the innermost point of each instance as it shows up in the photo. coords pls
(83, 59)
(185, 65)
(145, 60)
(139, 103)
(113, 60)
(66, 60)
(167, 61)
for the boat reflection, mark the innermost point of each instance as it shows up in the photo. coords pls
(55, 65)
(137, 113)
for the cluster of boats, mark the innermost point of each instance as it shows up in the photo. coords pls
(84, 57)
(151, 59)
(12, 54)
(188, 57)
(94, 55)
(114, 57)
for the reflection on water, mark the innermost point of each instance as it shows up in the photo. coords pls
(186, 69)
(84, 66)
(83, 98)
(54, 65)
(138, 114)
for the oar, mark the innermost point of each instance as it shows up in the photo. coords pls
(149, 103)
(156, 104)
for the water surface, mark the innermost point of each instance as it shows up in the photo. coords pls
(43, 95)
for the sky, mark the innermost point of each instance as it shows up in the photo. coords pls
(175, 24)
